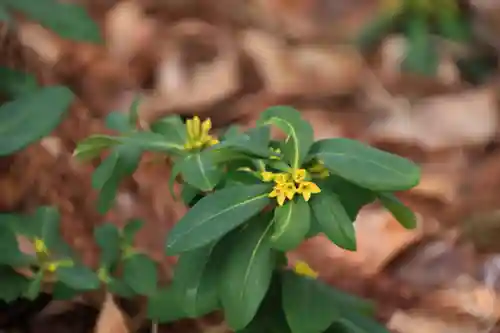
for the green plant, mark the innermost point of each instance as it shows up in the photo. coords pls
(420, 21)
(252, 199)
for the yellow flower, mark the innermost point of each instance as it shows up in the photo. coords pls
(281, 178)
(267, 176)
(40, 246)
(52, 267)
(308, 188)
(198, 134)
(302, 268)
(299, 175)
(279, 193)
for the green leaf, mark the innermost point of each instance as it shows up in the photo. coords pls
(130, 230)
(9, 249)
(13, 284)
(141, 274)
(352, 196)
(117, 121)
(215, 215)
(172, 128)
(403, 214)
(151, 141)
(34, 287)
(5, 16)
(30, 118)
(315, 227)
(16, 83)
(120, 288)
(307, 303)
(366, 166)
(107, 237)
(49, 219)
(255, 142)
(199, 171)
(68, 20)
(421, 56)
(292, 221)
(78, 277)
(334, 220)
(163, 306)
(453, 26)
(300, 133)
(92, 146)
(189, 193)
(122, 162)
(230, 133)
(246, 275)
(195, 281)
(358, 323)
(63, 292)
(376, 30)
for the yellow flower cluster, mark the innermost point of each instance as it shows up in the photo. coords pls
(289, 184)
(40, 246)
(302, 268)
(198, 134)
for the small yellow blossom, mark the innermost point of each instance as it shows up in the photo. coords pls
(308, 188)
(302, 268)
(278, 192)
(40, 246)
(281, 178)
(198, 134)
(299, 175)
(267, 176)
(52, 267)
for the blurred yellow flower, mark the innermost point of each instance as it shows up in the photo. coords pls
(308, 188)
(198, 134)
(302, 268)
(40, 246)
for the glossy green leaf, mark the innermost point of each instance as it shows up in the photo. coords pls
(352, 196)
(163, 306)
(334, 220)
(291, 223)
(195, 281)
(141, 274)
(78, 277)
(215, 215)
(255, 142)
(246, 275)
(34, 286)
(358, 323)
(307, 303)
(62, 291)
(401, 213)
(49, 219)
(30, 118)
(366, 166)
(9, 248)
(172, 128)
(92, 146)
(421, 56)
(130, 230)
(16, 83)
(118, 121)
(199, 171)
(107, 237)
(122, 162)
(188, 194)
(300, 135)
(314, 228)
(119, 287)
(13, 284)
(68, 20)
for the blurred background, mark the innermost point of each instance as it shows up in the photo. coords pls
(418, 78)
